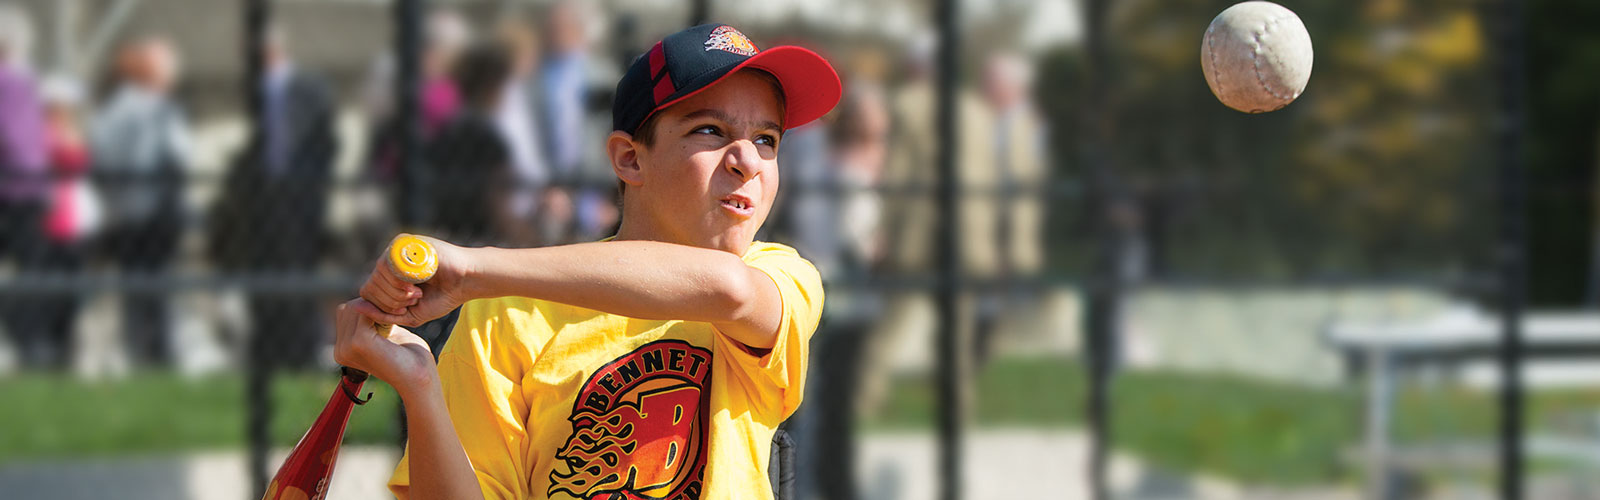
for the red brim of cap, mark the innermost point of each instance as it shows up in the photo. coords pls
(811, 88)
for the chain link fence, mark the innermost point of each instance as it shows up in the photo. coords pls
(175, 233)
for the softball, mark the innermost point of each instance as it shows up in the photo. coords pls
(1256, 56)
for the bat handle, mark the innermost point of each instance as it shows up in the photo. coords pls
(414, 261)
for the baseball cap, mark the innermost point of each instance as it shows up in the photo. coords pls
(689, 61)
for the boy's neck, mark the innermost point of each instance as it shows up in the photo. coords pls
(631, 229)
(638, 225)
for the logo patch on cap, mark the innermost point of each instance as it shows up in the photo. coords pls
(726, 38)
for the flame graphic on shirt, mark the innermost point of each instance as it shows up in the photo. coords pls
(638, 432)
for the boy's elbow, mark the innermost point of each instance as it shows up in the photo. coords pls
(736, 293)
(746, 308)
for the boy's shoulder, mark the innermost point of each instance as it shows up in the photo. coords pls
(510, 318)
(767, 249)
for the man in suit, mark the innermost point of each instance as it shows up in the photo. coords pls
(270, 220)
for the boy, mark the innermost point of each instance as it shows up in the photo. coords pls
(656, 364)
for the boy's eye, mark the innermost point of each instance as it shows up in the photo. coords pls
(767, 139)
(708, 129)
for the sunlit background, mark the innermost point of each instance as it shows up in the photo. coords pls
(1303, 304)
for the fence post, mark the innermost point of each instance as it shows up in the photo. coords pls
(258, 377)
(408, 40)
(953, 317)
(1104, 284)
(408, 115)
(1508, 37)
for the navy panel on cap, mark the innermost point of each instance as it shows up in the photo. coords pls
(632, 100)
(692, 64)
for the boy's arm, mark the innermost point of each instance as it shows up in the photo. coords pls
(439, 465)
(639, 279)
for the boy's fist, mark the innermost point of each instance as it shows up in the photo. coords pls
(398, 301)
(397, 356)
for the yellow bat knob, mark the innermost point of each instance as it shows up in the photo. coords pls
(413, 259)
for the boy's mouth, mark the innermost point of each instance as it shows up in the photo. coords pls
(739, 205)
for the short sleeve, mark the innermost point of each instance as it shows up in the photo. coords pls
(479, 375)
(781, 371)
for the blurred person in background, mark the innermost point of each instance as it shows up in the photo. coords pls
(858, 140)
(69, 223)
(269, 220)
(564, 80)
(469, 162)
(23, 167)
(912, 163)
(910, 221)
(1000, 168)
(1002, 224)
(140, 141)
(23, 153)
(516, 118)
(447, 35)
(860, 146)
(806, 217)
(1004, 165)
(74, 213)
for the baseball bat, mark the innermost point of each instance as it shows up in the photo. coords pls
(305, 474)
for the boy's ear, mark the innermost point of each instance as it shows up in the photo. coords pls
(624, 154)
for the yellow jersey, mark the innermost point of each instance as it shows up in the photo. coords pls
(561, 402)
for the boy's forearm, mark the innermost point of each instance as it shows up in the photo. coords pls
(438, 463)
(639, 279)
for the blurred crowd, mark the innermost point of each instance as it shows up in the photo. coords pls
(95, 175)
(860, 203)
(512, 116)
(51, 141)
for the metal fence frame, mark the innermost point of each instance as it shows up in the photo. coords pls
(1105, 288)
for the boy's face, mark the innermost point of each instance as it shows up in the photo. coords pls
(711, 176)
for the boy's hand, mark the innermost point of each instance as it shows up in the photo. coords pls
(398, 302)
(397, 357)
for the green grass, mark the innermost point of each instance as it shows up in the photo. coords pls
(48, 416)
(1245, 429)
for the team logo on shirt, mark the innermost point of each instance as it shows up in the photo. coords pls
(639, 427)
(731, 40)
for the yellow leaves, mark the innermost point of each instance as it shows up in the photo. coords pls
(1455, 41)
(1434, 49)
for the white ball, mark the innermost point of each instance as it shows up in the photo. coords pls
(1256, 56)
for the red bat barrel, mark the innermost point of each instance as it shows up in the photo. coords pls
(305, 474)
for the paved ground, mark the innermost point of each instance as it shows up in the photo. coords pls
(1003, 464)
(1009, 464)
(361, 473)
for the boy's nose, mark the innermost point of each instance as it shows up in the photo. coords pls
(742, 159)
